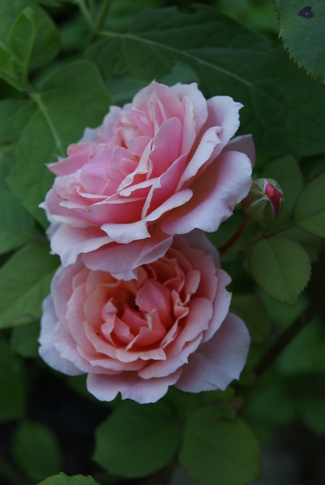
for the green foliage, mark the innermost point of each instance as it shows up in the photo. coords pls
(21, 297)
(71, 99)
(281, 267)
(22, 38)
(257, 321)
(306, 353)
(49, 94)
(280, 102)
(36, 450)
(217, 451)
(312, 412)
(14, 115)
(301, 28)
(310, 209)
(146, 437)
(47, 40)
(16, 225)
(24, 339)
(11, 388)
(63, 479)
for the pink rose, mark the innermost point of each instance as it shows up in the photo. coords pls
(161, 166)
(170, 326)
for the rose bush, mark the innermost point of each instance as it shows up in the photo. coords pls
(161, 166)
(170, 326)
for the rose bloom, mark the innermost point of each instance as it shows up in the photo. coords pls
(170, 326)
(160, 166)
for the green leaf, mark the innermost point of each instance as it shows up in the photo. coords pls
(301, 28)
(63, 479)
(11, 389)
(287, 173)
(9, 68)
(22, 38)
(219, 452)
(16, 225)
(280, 102)
(281, 267)
(47, 40)
(24, 339)
(252, 310)
(72, 99)
(271, 403)
(24, 283)
(306, 353)
(310, 208)
(36, 450)
(145, 437)
(14, 115)
(312, 412)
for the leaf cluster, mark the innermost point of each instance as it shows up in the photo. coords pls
(62, 63)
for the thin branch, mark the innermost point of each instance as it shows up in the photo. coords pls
(103, 14)
(288, 335)
(235, 237)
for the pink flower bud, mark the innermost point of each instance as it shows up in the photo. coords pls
(264, 201)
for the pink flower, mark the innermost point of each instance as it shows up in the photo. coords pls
(161, 166)
(170, 326)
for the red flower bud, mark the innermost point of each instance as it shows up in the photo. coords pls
(264, 201)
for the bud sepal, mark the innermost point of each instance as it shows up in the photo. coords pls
(264, 201)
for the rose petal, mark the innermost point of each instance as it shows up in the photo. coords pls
(47, 350)
(106, 388)
(225, 183)
(69, 242)
(218, 362)
(122, 260)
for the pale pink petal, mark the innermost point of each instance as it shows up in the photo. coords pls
(69, 351)
(207, 146)
(215, 193)
(126, 233)
(218, 362)
(221, 305)
(61, 287)
(244, 144)
(154, 296)
(123, 260)
(190, 93)
(172, 105)
(47, 350)
(224, 112)
(172, 364)
(148, 336)
(78, 155)
(68, 242)
(106, 388)
(164, 187)
(166, 146)
(196, 239)
(176, 200)
(196, 322)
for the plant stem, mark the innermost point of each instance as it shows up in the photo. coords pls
(235, 237)
(92, 10)
(288, 335)
(103, 14)
(281, 229)
(255, 241)
(83, 9)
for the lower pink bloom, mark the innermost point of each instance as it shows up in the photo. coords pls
(170, 326)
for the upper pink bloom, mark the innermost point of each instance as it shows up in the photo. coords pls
(160, 166)
(170, 326)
